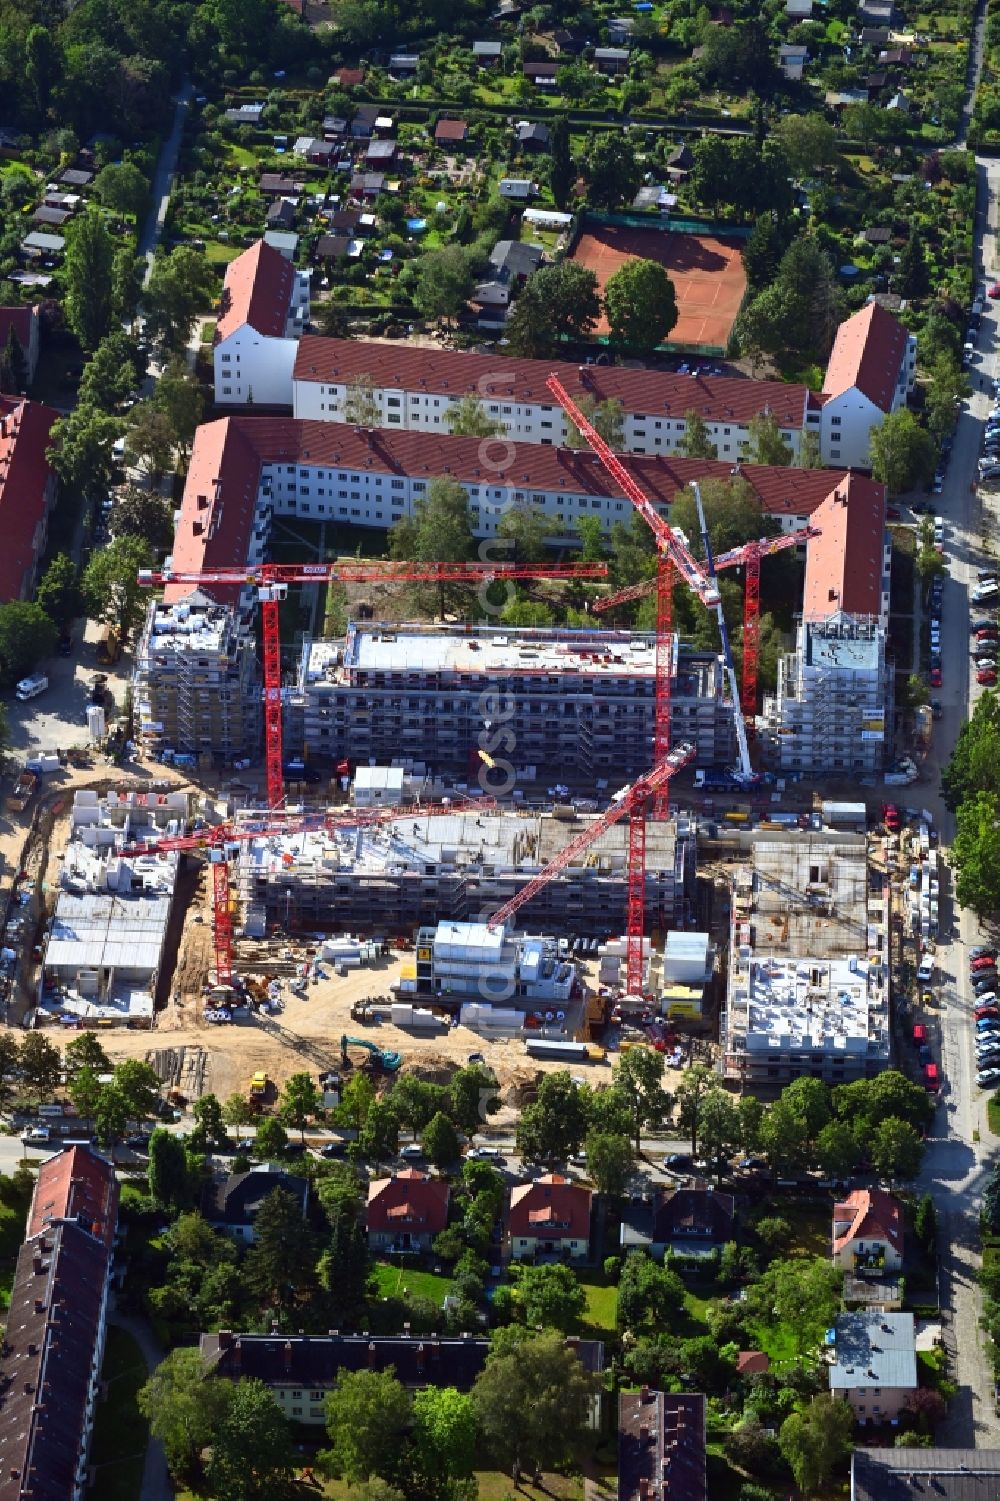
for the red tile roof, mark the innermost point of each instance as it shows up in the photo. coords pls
(844, 564)
(257, 290)
(216, 519)
(409, 1197)
(657, 393)
(25, 428)
(76, 1185)
(752, 1363)
(450, 130)
(867, 353)
(871, 1214)
(550, 1208)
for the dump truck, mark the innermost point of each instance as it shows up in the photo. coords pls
(22, 791)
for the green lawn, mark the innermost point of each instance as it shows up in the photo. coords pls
(220, 253)
(602, 1304)
(398, 1281)
(118, 1451)
(777, 1341)
(993, 1113)
(495, 1486)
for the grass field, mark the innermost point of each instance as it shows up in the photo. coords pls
(993, 1113)
(118, 1452)
(398, 1281)
(602, 1304)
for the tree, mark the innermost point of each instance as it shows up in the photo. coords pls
(439, 531)
(976, 853)
(87, 265)
(808, 141)
(766, 443)
(252, 1456)
(10, 1056)
(903, 455)
(181, 285)
(533, 1401)
(84, 1089)
(169, 1184)
(609, 1162)
(444, 283)
(913, 279)
(280, 1266)
(126, 284)
(468, 418)
(142, 513)
(440, 1141)
(784, 1139)
(111, 588)
(27, 636)
(13, 366)
(60, 596)
(139, 1086)
(85, 1051)
(896, 1149)
(149, 439)
(238, 1112)
(608, 420)
(613, 174)
(271, 1139)
(300, 1101)
(210, 1128)
(344, 1266)
(562, 173)
(925, 1223)
(837, 1152)
(553, 1126)
(473, 1097)
(695, 442)
(113, 373)
(111, 1117)
(361, 405)
(591, 535)
(368, 1415)
(719, 1129)
(444, 1431)
(526, 527)
(691, 1091)
(41, 68)
(975, 762)
(81, 451)
(558, 303)
(810, 455)
(866, 1102)
(817, 1441)
(638, 1081)
(733, 515)
(40, 1066)
(551, 1296)
(810, 1101)
(649, 1295)
(804, 1294)
(640, 305)
(180, 399)
(184, 1410)
(122, 187)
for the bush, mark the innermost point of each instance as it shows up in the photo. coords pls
(612, 1268)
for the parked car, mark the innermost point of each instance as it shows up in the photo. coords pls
(935, 677)
(987, 999)
(985, 960)
(937, 711)
(991, 1010)
(982, 951)
(986, 664)
(986, 679)
(987, 1077)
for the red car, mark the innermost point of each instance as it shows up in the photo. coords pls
(936, 678)
(987, 679)
(985, 961)
(891, 818)
(994, 291)
(982, 1011)
(988, 633)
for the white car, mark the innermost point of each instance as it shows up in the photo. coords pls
(926, 970)
(486, 1154)
(988, 1076)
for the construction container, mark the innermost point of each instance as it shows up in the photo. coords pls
(401, 1013)
(543, 1047)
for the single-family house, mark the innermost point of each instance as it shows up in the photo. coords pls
(232, 1202)
(690, 1221)
(284, 241)
(520, 189)
(300, 1369)
(406, 1211)
(450, 132)
(899, 102)
(874, 1363)
(679, 163)
(531, 135)
(512, 262)
(24, 321)
(262, 314)
(870, 373)
(875, 37)
(662, 1453)
(620, 29)
(653, 195)
(875, 83)
(792, 60)
(611, 60)
(879, 234)
(345, 221)
(896, 57)
(549, 1216)
(54, 218)
(27, 492)
(868, 1232)
(487, 54)
(566, 42)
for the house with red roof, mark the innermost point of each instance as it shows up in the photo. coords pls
(870, 373)
(262, 314)
(27, 492)
(406, 1211)
(549, 1216)
(868, 1233)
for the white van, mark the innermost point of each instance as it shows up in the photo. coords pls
(32, 687)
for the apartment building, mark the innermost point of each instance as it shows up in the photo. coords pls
(460, 866)
(577, 701)
(196, 684)
(27, 492)
(832, 708)
(808, 977)
(870, 373)
(262, 314)
(50, 1358)
(413, 389)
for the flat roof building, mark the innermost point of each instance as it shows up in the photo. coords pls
(808, 970)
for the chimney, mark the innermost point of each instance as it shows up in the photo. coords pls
(287, 1354)
(37, 1261)
(421, 1358)
(371, 1355)
(237, 1355)
(39, 1305)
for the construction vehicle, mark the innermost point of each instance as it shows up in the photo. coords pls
(22, 791)
(258, 1087)
(371, 1008)
(273, 581)
(387, 1059)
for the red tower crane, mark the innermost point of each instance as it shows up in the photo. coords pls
(272, 580)
(631, 801)
(221, 841)
(749, 557)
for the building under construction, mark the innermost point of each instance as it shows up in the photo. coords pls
(462, 867)
(808, 990)
(197, 687)
(560, 702)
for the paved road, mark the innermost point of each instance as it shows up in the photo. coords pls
(961, 1148)
(156, 1484)
(163, 180)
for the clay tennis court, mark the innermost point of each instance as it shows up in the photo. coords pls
(707, 274)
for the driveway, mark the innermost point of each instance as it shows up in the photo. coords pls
(156, 1482)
